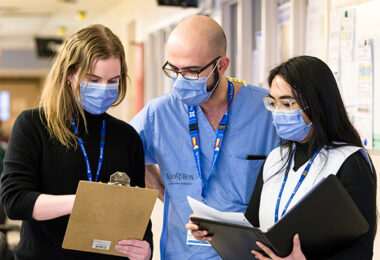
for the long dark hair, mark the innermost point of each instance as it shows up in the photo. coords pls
(316, 91)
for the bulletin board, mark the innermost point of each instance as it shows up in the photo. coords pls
(352, 51)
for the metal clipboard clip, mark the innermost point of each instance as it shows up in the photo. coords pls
(120, 178)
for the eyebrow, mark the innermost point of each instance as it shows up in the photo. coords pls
(97, 77)
(282, 97)
(185, 68)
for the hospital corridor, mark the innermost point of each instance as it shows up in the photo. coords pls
(189, 129)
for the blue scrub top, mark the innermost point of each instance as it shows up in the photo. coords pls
(163, 126)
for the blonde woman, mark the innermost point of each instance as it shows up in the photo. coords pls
(68, 139)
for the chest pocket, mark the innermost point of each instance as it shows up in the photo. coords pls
(237, 178)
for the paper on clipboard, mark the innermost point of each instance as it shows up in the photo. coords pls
(202, 210)
(104, 214)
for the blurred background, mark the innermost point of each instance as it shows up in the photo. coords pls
(260, 35)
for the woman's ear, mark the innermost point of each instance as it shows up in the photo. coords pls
(69, 76)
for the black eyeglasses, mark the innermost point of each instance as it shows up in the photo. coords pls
(190, 75)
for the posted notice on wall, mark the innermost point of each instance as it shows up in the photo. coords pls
(364, 114)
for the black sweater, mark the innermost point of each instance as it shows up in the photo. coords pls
(360, 183)
(37, 164)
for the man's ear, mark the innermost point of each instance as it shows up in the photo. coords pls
(223, 64)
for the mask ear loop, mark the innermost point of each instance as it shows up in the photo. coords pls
(217, 83)
(213, 68)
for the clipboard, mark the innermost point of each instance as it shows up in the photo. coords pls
(326, 220)
(103, 214)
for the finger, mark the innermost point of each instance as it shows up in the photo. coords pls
(267, 250)
(133, 249)
(296, 242)
(190, 226)
(297, 245)
(134, 242)
(200, 233)
(133, 252)
(258, 255)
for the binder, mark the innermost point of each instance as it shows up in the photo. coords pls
(103, 214)
(326, 220)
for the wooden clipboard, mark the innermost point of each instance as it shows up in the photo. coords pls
(103, 214)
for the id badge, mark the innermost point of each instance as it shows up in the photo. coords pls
(192, 241)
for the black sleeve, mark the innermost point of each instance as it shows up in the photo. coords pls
(2, 154)
(252, 212)
(139, 180)
(356, 176)
(19, 182)
(137, 160)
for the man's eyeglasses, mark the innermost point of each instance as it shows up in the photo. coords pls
(284, 104)
(190, 75)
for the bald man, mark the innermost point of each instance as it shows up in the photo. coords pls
(200, 134)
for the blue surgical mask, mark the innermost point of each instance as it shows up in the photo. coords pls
(290, 125)
(97, 98)
(193, 92)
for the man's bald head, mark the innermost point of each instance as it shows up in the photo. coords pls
(200, 31)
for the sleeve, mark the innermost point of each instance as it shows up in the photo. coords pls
(143, 124)
(137, 160)
(359, 181)
(139, 180)
(252, 212)
(2, 153)
(20, 179)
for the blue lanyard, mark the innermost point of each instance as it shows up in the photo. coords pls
(102, 141)
(194, 134)
(304, 173)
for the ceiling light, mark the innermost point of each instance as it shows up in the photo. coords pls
(68, 1)
(61, 31)
(81, 15)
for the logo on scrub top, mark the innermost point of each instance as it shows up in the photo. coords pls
(179, 178)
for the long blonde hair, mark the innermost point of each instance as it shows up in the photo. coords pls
(59, 104)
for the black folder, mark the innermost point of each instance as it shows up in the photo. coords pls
(326, 220)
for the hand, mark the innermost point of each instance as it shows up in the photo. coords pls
(200, 235)
(134, 249)
(296, 254)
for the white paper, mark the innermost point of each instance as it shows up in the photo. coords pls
(203, 211)
(334, 44)
(347, 35)
(364, 113)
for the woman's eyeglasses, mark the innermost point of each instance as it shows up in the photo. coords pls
(285, 105)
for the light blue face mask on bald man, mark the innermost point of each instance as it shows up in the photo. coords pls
(290, 125)
(193, 92)
(97, 98)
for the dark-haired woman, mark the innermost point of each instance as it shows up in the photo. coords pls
(317, 136)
